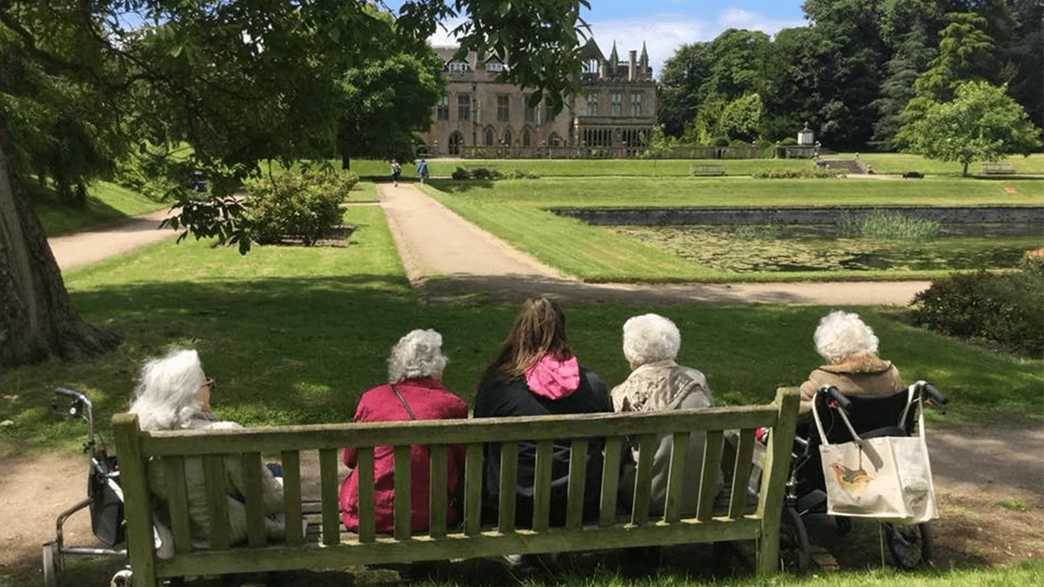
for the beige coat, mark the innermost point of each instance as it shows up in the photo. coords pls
(665, 385)
(195, 482)
(862, 374)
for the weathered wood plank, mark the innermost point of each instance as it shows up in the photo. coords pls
(775, 471)
(217, 500)
(676, 477)
(136, 507)
(577, 484)
(610, 481)
(508, 480)
(482, 430)
(473, 489)
(710, 475)
(741, 473)
(292, 496)
(643, 479)
(328, 491)
(542, 486)
(250, 466)
(403, 505)
(458, 546)
(364, 472)
(438, 504)
(177, 503)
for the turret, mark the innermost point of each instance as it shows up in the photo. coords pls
(632, 65)
(643, 62)
(614, 59)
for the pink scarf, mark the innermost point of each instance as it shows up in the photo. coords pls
(552, 378)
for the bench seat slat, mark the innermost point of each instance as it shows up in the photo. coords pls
(508, 481)
(292, 496)
(328, 491)
(177, 503)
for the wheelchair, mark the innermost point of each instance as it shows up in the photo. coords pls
(909, 546)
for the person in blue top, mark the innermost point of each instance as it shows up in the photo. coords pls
(422, 170)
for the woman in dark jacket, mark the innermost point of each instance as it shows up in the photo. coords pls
(536, 374)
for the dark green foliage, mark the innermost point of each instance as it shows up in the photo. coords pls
(885, 225)
(1007, 309)
(911, 58)
(488, 174)
(296, 206)
(798, 174)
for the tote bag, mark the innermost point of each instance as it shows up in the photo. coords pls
(887, 478)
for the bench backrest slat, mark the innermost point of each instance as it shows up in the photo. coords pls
(177, 503)
(643, 479)
(291, 460)
(739, 497)
(217, 501)
(710, 474)
(250, 464)
(542, 486)
(506, 493)
(364, 471)
(577, 484)
(676, 477)
(403, 500)
(610, 481)
(473, 489)
(328, 490)
(438, 504)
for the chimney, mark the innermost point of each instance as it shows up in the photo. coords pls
(632, 65)
(603, 67)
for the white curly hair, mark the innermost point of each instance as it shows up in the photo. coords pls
(166, 397)
(842, 334)
(649, 338)
(418, 354)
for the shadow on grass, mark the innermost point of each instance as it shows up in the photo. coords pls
(454, 186)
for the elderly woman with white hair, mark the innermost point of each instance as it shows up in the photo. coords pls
(174, 394)
(414, 392)
(657, 383)
(849, 348)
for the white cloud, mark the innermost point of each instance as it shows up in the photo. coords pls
(443, 35)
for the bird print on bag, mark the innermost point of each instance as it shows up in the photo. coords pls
(853, 481)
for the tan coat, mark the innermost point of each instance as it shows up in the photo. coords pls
(653, 387)
(196, 487)
(862, 374)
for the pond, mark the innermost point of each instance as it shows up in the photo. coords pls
(776, 248)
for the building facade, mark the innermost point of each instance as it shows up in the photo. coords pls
(481, 116)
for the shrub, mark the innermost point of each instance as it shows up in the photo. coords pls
(798, 174)
(305, 206)
(913, 175)
(720, 141)
(460, 173)
(489, 174)
(1006, 308)
(885, 225)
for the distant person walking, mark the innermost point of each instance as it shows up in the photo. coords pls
(422, 170)
(396, 171)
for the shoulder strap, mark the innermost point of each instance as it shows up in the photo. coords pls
(402, 401)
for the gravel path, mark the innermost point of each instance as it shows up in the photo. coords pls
(84, 248)
(433, 241)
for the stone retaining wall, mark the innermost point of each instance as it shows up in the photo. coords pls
(798, 214)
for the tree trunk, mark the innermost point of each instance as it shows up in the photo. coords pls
(36, 318)
(965, 172)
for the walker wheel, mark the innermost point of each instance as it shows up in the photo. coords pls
(51, 569)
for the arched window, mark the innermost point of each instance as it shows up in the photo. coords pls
(554, 140)
(507, 137)
(527, 138)
(456, 141)
(489, 136)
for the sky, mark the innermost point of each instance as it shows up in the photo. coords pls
(664, 25)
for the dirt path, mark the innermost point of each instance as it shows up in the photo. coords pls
(434, 242)
(84, 248)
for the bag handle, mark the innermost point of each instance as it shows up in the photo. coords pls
(402, 401)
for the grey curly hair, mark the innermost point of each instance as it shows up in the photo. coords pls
(166, 395)
(418, 354)
(649, 338)
(842, 334)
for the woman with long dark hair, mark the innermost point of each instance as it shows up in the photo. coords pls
(537, 374)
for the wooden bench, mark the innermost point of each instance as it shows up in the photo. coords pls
(706, 170)
(337, 549)
(1001, 168)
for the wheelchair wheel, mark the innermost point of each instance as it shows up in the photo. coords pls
(795, 553)
(51, 570)
(910, 546)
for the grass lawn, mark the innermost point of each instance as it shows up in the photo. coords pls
(515, 210)
(364, 191)
(106, 203)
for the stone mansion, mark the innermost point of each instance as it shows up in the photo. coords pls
(480, 116)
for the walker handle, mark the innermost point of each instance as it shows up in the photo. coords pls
(834, 394)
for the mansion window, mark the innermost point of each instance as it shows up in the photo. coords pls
(530, 111)
(598, 137)
(636, 104)
(495, 67)
(489, 137)
(616, 104)
(442, 110)
(592, 105)
(458, 66)
(503, 108)
(463, 107)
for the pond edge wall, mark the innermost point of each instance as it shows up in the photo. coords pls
(682, 215)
